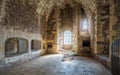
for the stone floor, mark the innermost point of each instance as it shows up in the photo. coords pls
(53, 65)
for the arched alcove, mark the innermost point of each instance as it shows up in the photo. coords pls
(67, 40)
(11, 46)
(84, 23)
(35, 45)
(14, 46)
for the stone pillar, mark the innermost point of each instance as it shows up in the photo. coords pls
(57, 29)
(58, 36)
(29, 46)
(75, 30)
(103, 29)
(2, 43)
(52, 31)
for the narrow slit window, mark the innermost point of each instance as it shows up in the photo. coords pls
(84, 23)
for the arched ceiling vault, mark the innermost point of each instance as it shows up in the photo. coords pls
(45, 6)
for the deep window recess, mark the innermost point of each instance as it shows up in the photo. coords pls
(84, 24)
(67, 37)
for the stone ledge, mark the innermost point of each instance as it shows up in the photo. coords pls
(103, 59)
(11, 61)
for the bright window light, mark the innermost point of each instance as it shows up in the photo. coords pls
(84, 25)
(67, 37)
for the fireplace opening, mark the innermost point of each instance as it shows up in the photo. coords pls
(49, 45)
(86, 43)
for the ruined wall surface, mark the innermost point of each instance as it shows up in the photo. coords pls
(12, 61)
(22, 19)
(71, 20)
(107, 20)
(103, 27)
(1, 4)
(26, 19)
(93, 32)
(116, 16)
(61, 20)
(21, 15)
(45, 7)
(67, 23)
(19, 20)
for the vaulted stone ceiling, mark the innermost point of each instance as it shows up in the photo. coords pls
(26, 12)
(90, 6)
(45, 6)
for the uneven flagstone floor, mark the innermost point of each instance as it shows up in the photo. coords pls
(53, 65)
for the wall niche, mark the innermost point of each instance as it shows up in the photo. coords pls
(15, 46)
(35, 45)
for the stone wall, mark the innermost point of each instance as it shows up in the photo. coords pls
(1, 4)
(59, 21)
(109, 20)
(33, 21)
(21, 15)
(67, 23)
(41, 20)
(104, 29)
(116, 17)
(103, 59)
(12, 61)
(19, 19)
(93, 32)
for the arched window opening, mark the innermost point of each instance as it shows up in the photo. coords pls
(84, 21)
(85, 24)
(67, 37)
